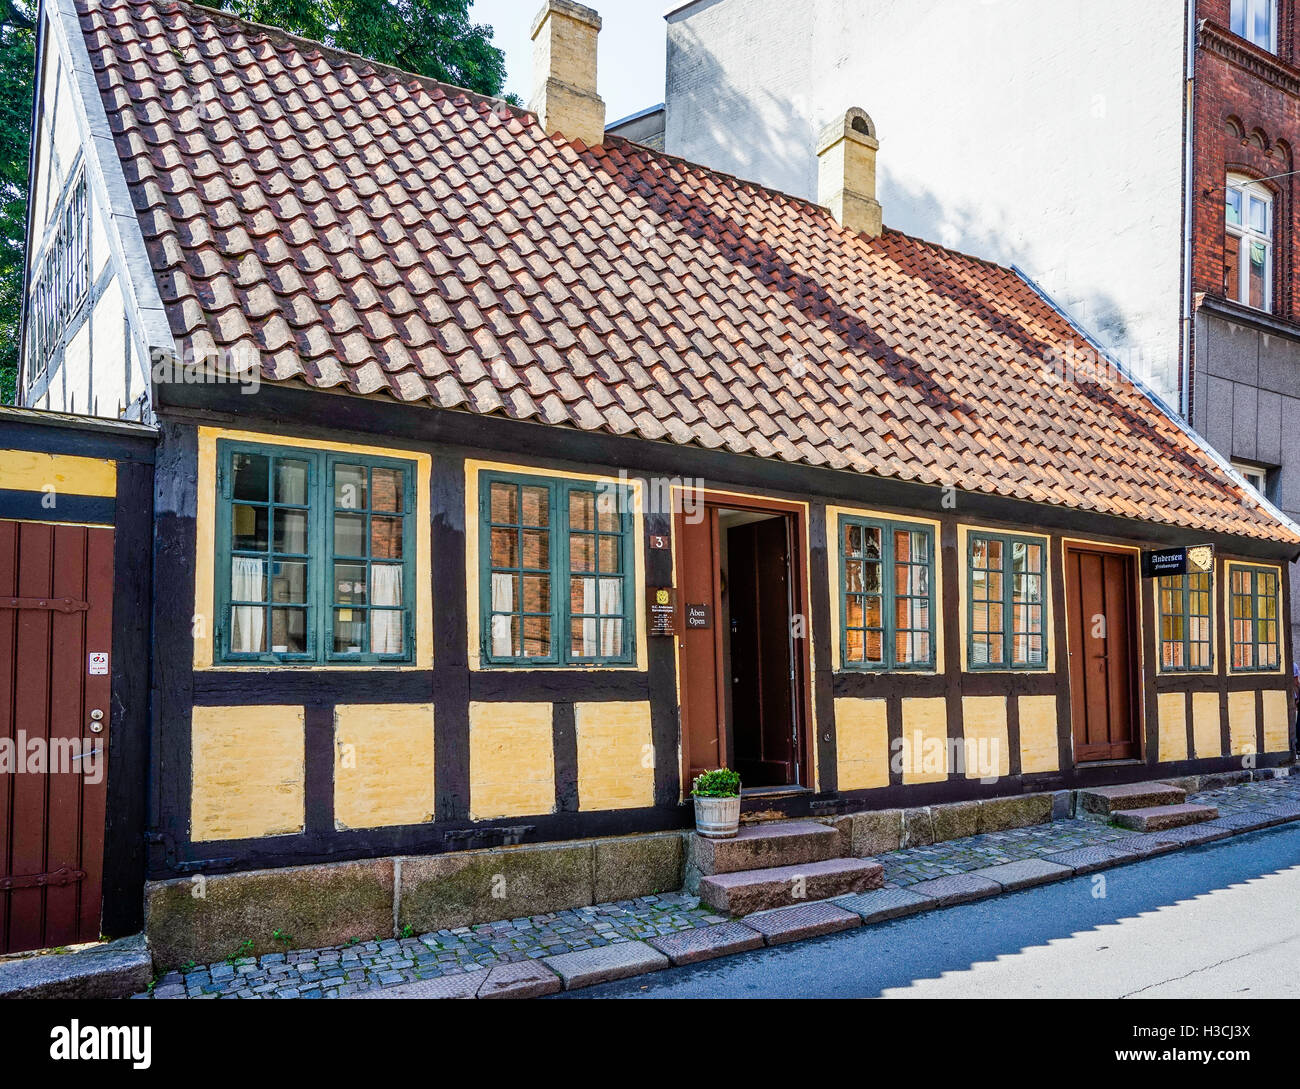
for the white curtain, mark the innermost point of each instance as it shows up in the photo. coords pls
(589, 623)
(385, 626)
(611, 608)
(503, 604)
(247, 583)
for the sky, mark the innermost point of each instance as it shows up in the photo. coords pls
(629, 68)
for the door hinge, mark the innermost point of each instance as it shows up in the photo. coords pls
(62, 876)
(53, 604)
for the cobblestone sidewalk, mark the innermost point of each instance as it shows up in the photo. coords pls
(348, 969)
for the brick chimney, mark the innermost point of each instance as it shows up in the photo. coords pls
(564, 72)
(846, 172)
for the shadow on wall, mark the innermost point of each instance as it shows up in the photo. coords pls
(758, 136)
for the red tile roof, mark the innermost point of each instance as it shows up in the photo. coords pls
(372, 231)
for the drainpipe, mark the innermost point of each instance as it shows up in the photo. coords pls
(1189, 128)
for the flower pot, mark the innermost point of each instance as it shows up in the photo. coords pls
(717, 818)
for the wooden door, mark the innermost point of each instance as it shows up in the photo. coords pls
(56, 587)
(761, 670)
(1101, 607)
(703, 709)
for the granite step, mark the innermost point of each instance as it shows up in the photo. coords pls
(1157, 818)
(1104, 801)
(761, 846)
(782, 886)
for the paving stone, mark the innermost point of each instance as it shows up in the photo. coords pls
(880, 904)
(523, 979)
(690, 946)
(1024, 873)
(588, 966)
(1194, 834)
(462, 985)
(1090, 859)
(956, 888)
(789, 924)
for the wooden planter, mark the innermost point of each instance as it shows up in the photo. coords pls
(717, 818)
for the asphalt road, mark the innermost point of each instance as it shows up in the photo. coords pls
(1219, 921)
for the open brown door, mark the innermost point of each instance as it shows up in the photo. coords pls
(1101, 609)
(56, 616)
(703, 709)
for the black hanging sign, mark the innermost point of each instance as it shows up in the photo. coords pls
(1177, 561)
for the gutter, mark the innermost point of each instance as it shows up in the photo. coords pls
(1156, 400)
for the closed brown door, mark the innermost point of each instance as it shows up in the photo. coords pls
(56, 586)
(1101, 607)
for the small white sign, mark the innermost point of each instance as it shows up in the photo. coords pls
(98, 664)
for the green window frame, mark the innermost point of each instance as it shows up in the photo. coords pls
(315, 556)
(886, 595)
(1253, 594)
(1186, 622)
(556, 571)
(1006, 607)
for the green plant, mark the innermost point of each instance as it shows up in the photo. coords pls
(245, 949)
(188, 967)
(407, 931)
(718, 783)
(278, 935)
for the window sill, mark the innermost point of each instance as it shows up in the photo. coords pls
(1266, 320)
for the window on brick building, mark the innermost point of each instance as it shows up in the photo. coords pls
(1256, 21)
(1248, 243)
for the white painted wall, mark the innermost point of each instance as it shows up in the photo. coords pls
(1046, 135)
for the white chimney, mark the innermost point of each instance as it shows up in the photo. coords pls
(564, 72)
(846, 172)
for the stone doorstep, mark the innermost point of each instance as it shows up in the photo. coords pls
(1103, 801)
(788, 924)
(757, 890)
(115, 969)
(1157, 818)
(765, 845)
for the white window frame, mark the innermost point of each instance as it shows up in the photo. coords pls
(1256, 477)
(1244, 14)
(1243, 236)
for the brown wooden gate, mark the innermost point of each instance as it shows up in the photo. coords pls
(56, 603)
(1101, 607)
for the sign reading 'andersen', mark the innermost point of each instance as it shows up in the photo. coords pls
(1177, 561)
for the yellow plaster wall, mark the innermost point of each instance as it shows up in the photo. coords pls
(511, 760)
(615, 755)
(925, 726)
(383, 764)
(861, 743)
(1277, 720)
(1172, 724)
(984, 727)
(1206, 738)
(248, 772)
(30, 471)
(206, 534)
(1241, 722)
(1039, 747)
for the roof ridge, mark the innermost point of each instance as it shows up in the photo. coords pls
(218, 16)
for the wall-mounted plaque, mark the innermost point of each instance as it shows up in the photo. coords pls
(662, 601)
(698, 616)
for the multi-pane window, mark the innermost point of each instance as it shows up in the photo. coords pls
(556, 574)
(887, 571)
(1007, 614)
(1185, 618)
(61, 279)
(1253, 616)
(315, 556)
(1256, 21)
(1248, 243)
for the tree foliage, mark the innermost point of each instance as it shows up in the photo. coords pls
(429, 37)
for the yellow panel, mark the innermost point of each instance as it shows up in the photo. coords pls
(247, 771)
(511, 760)
(1205, 725)
(1173, 726)
(861, 744)
(383, 764)
(1241, 722)
(1039, 746)
(206, 534)
(984, 732)
(1277, 715)
(616, 767)
(29, 471)
(925, 740)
